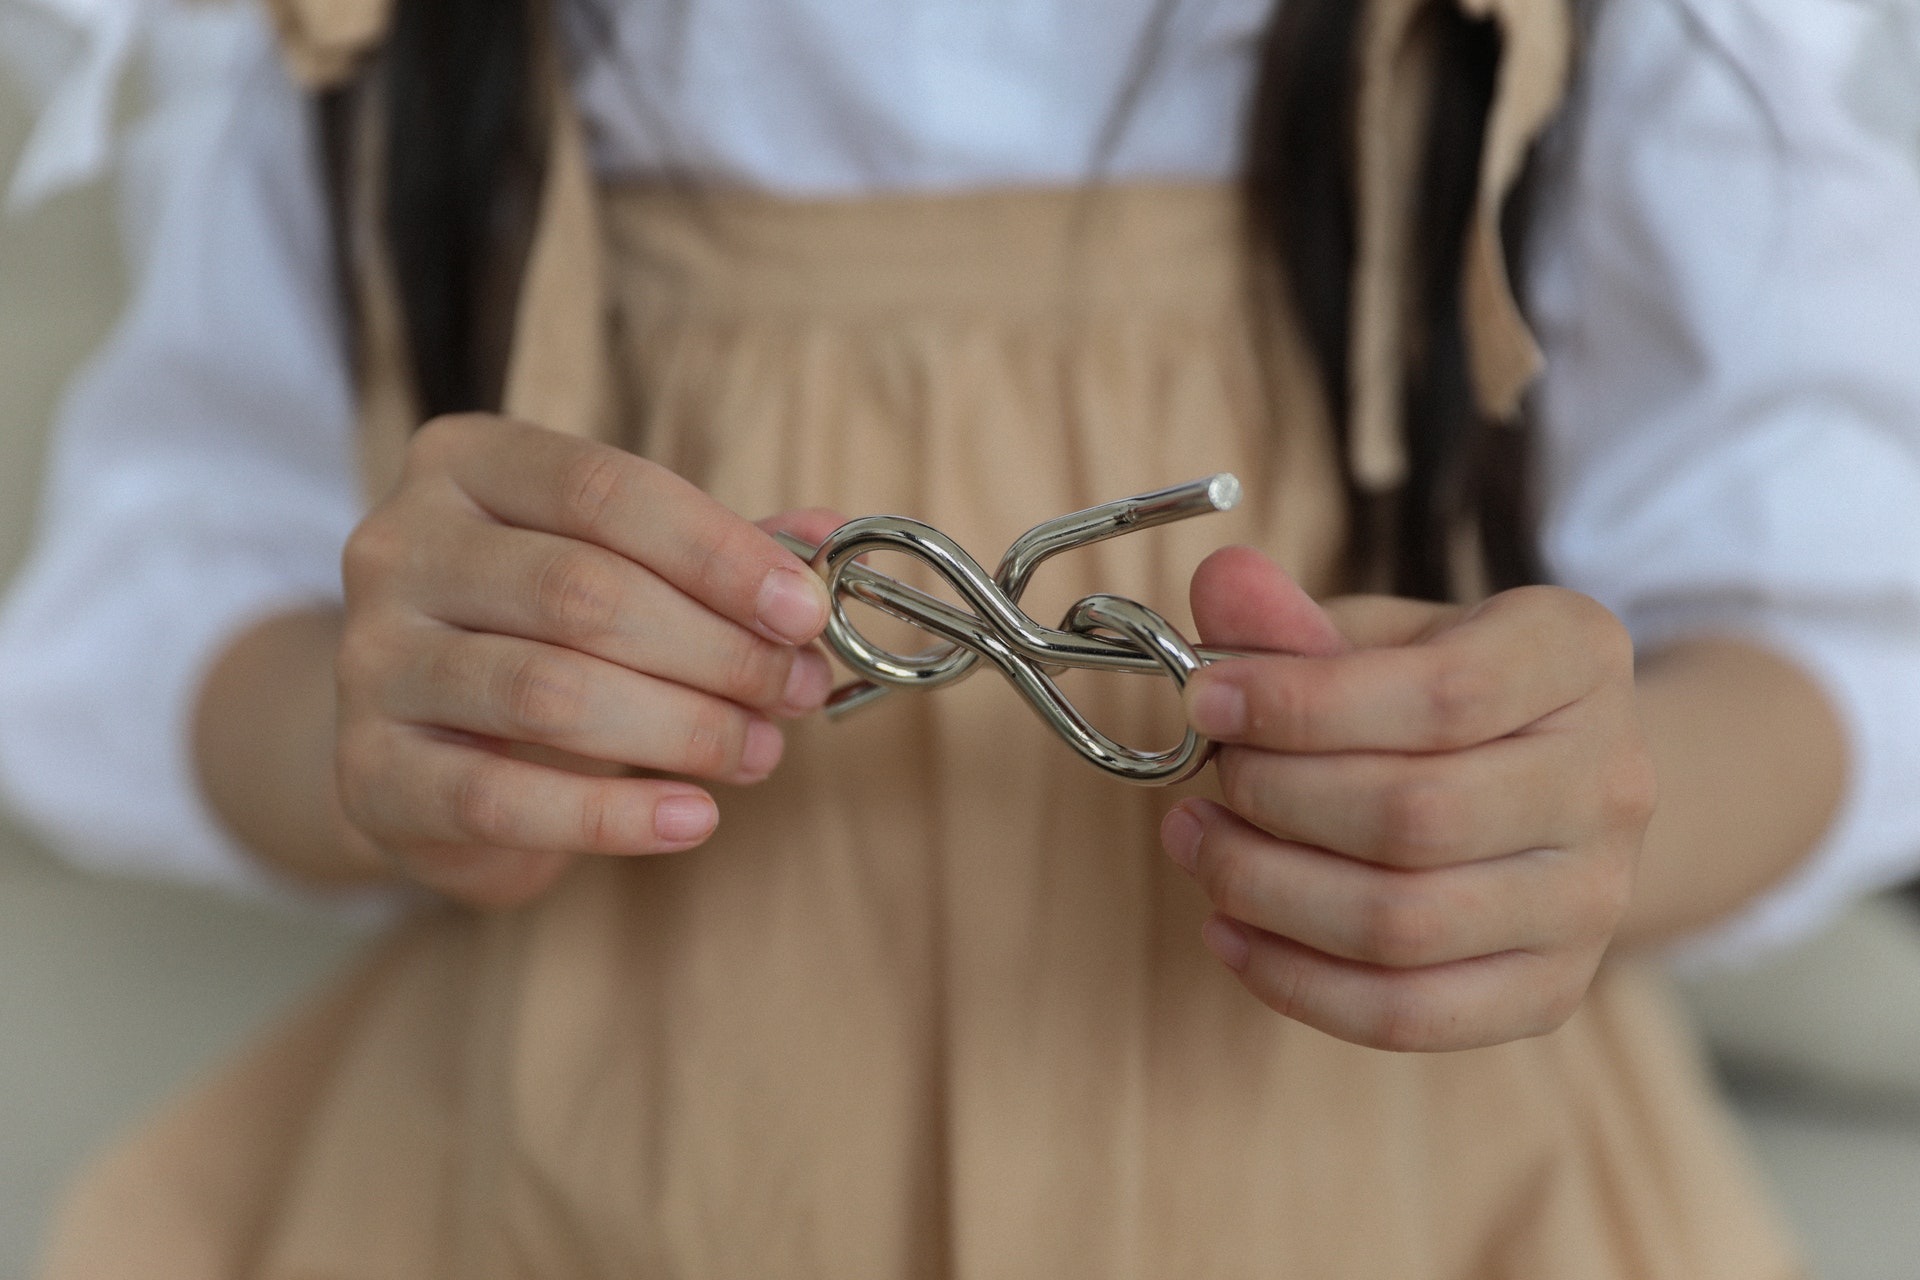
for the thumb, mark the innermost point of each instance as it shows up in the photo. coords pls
(1242, 600)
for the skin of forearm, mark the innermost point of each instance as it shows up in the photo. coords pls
(1751, 764)
(263, 749)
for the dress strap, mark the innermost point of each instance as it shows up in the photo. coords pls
(559, 373)
(1397, 56)
(325, 41)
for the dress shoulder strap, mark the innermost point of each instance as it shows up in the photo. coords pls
(325, 41)
(1397, 53)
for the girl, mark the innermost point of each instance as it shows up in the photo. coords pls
(928, 1000)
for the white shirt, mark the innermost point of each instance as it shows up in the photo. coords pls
(1727, 283)
(826, 97)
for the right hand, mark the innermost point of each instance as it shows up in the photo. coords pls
(524, 598)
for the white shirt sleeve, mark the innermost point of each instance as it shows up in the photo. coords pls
(202, 477)
(1729, 289)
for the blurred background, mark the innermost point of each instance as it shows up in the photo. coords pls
(111, 994)
(114, 994)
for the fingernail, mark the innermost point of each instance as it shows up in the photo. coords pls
(808, 683)
(685, 820)
(762, 750)
(1220, 709)
(1227, 941)
(792, 605)
(1180, 834)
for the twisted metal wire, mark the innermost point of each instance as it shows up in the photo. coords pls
(1100, 632)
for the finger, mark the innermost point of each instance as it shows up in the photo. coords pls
(1369, 622)
(412, 786)
(523, 691)
(1515, 659)
(1530, 790)
(582, 489)
(1392, 918)
(540, 586)
(1467, 1004)
(1242, 600)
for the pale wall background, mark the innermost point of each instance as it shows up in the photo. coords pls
(113, 994)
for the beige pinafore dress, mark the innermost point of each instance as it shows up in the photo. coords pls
(931, 1003)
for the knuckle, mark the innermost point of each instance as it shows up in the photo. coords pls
(374, 551)
(603, 824)
(1282, 711)
(754, 671)
(1631, 791)
(1237, 785)
(1404, 1022)
(439, 439)
(1251, 784)
(576, 594)
(359, 659)
(481, 805)
(1590, 628)
(1423, 821)
(591, 485)
(543, 697)
(715, 739)
(459, 667)
(1459, 694)
(1398, 928)
(1604, 635)
(1286, 988)
(723, 556)
(1228, 878)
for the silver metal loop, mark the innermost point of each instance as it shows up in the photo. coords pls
(1155, 635)
(1100, 632)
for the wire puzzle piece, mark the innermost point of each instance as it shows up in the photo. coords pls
(1100, 632)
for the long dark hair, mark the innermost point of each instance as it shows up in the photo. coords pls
(462, 159)
(462, 141)
(1299, 187)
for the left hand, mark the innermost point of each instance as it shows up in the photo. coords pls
(1433, 812)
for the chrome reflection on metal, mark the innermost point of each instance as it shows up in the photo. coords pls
(1100, 632)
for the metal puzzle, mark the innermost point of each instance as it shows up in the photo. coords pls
(1100, 632)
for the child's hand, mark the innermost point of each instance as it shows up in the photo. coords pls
(525, 598)
(1435, 812)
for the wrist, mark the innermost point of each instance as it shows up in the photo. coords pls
(263, 747)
